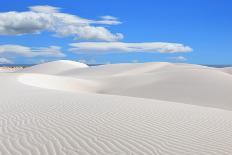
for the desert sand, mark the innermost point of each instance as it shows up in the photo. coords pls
(66, 107)
(10, 69)
(227, 70)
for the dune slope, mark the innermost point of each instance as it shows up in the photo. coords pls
(185, 83)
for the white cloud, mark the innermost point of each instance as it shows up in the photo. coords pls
(108, 20)
(90, 61)
(51, 51)
(48, 18)
(5, 61)
(42, 61)
(44, 9)
(135, 61)
(82, 61)
(161, 47)
(178, 58)
(109, 17)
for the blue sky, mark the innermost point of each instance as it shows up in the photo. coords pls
(205, 26)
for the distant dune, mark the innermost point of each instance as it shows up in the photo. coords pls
(227, 70)
(54, 67)
(10, 69)
(66, 107)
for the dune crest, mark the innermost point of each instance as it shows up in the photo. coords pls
(54, 67)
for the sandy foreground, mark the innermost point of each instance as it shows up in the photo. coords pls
(66, 107)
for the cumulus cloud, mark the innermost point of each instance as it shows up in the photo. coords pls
(51, 51)
(178, 58)
(5, 61)
(49, 18)
(161, 47)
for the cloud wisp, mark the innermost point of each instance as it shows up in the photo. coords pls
(178, 58)
(18, 50)
(109, 47)
(49, 18)
(5, 61)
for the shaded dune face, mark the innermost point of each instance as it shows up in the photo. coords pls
(65, 107)
(191, 85)
(58, 83)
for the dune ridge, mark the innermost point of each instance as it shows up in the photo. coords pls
(54, 67)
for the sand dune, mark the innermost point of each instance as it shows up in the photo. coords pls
(201, 86)
(56, 108)
(10, 69)
(185, 83)
(58, 83)
(227, 70)
(54, 67)
(115, 69)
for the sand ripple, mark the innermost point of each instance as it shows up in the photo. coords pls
(98, 124)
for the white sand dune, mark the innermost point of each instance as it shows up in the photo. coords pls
(185, 83)
(227, 70)
(58, 82)
(54, 67)
(10, 69)
(52, 111)
(115, 69)
(176, 83)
